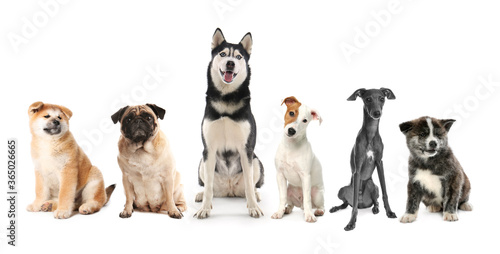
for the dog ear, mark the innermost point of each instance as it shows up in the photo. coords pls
(66, 111)
(35, 107)
(356, 93)
(217, 38)
(116, 117)
(159, 112)
(388, 93)
(447, 123)
(290, 101)
(316, 116)
(406, 127)
(247, 42)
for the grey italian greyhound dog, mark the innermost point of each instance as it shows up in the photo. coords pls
(365, 156)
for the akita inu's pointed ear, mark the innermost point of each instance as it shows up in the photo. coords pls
(406, 127)
(356, 93)
(66, 111)
(247, 42)
(388, 93)
(217, 38)
(159, 112)
(116, 117)
(447, 123)
(35, 107)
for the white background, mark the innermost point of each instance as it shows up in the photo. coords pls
(92, 56)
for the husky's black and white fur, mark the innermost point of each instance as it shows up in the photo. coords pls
(436, 178)
(229, 167)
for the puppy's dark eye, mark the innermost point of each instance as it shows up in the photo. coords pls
(369, 99)
(382, 99)
(304, 121)
(59, 117)
(47, 116)
(291, 113)
(222, 54)
(422, 134)
(238, 57)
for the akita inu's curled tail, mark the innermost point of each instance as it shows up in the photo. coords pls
(109, 191)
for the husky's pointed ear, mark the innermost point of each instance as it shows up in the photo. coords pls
(35, 107)
(116, 117)
(217, 38)
(159, 112)
(316, 116)
(406, 127)
(388, 93)
(447, 123)
(356, 93)
(66, 111)
(247, 42)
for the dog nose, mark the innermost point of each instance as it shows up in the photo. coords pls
(230, 65)
(433, 144)
(55, 122)
(138, 120)
(291, 131)
(376, 114)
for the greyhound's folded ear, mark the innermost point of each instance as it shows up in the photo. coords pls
(316, 116)
(356, 93)
(388, 93)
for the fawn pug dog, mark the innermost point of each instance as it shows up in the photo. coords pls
(150, 178)
(65, 178)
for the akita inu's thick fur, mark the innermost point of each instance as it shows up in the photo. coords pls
(65, 178)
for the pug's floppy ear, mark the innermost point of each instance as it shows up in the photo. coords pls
(35, 107)
(116, 117)
(159, 112)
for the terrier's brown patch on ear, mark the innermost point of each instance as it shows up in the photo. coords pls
(292, 109)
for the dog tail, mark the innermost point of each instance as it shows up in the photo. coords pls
(109, 191)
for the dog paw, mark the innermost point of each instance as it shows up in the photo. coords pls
(288, 209)
(278, 215)
(255, 212)
(350, 226)
(62, 214)
(87, 209)
(173, 213)
(434, 208)
(33, 207)
(408, 218)
(391, 214)
(48, 206)
(309, 217)
(126, 213)
(319, 212)
(202, 213)
(375, 210)
(450, 216)
(199, 197)
(465, 207)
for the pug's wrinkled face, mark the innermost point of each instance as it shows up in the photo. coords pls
(139, 123)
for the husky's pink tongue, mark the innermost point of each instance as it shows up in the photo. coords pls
(228, 76)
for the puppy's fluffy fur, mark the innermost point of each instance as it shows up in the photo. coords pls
(65, 178)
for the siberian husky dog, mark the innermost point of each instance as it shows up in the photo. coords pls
(229, 167)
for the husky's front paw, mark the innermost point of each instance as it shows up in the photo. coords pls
(408, 218)
(450, 216)
(202, 213)
(62, 214)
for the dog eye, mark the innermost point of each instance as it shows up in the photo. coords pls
(129, 119)
(222, 54)
(382, 99)
(369, 99)
(59, 117)
(291, 113)
(238, 57)
(422, 134)
(304, 121)
(47, 116)
(149, 118)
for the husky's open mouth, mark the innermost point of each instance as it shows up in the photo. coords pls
(228, 76)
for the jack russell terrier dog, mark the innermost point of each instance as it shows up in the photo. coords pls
(296, 164)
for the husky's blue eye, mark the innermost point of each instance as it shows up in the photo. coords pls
(222, 54)
(238, 57)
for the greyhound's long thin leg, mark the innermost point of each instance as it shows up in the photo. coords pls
(385, 198)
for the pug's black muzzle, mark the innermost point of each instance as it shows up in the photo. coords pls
(138, 130)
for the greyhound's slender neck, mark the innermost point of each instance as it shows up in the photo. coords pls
(370, 125)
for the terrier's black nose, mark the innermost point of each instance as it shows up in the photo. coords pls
(291, 131)
(230, 65)
(433, 144)
(377, 114)
(55, 122)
